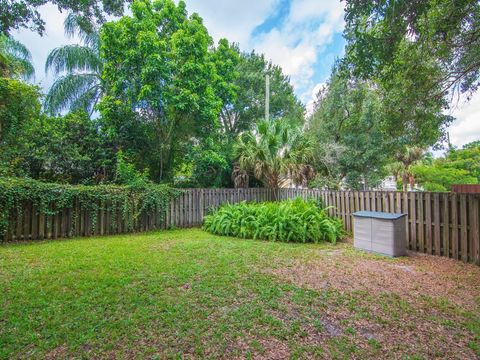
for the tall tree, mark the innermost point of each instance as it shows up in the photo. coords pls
(15, 59)
(160, 80)
(80, 68)
(419, 53)
(348, 126)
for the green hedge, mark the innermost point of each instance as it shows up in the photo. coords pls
(291, 220)
(132, 200)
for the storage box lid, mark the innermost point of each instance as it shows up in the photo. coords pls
(379, 215)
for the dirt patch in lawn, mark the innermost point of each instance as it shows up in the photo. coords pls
(416, 306)
(409, 277)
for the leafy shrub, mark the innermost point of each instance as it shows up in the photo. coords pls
(291, 220)
(127, 174)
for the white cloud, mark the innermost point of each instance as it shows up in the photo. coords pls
(297, 45)
(234, 20)
(466, 127)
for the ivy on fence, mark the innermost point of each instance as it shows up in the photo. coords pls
(50, 199)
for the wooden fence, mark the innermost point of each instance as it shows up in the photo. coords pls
(445, 224)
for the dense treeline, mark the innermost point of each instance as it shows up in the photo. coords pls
(150, 90)
(149, 97)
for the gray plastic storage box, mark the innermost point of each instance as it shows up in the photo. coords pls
(380, 232)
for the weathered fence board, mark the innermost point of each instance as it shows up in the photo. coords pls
(445, 224)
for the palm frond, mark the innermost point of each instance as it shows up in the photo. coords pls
(73, 58)
(273, 151)
(72, 90)
(88, 100)
(15, 57)
(77, 25)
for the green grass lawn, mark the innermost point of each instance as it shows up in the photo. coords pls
(186, 293)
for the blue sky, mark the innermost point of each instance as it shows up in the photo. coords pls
(304, 37)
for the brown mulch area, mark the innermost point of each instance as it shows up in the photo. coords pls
(416, 306)
(409, 277)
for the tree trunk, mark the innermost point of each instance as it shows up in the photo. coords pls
(405, 182)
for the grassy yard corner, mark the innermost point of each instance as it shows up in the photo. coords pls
(186, 293)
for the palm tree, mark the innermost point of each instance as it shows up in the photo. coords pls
(403, 166)
(15, 59)
(80, 68)
(275, 152)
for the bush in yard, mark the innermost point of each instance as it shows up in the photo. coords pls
(291, 220)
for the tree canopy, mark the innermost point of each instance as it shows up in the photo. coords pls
(458, 166)
(149, 96)
(17, 14)
(388, 38)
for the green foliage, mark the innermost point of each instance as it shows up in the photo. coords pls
(25, 14)
(19, 105)
(207, 164)
(160, 81)
(347, 125)
(274, 152)
(433, 44)
(291, 221)
(49, 199)
(15, 59)
(362, 124)
(418, 54)
(127, 174)
(67, 149)
(467, 158)
(440, 178)
(163, 89)
(460, 166)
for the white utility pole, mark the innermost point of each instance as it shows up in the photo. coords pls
(267, 97)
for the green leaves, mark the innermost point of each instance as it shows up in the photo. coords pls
(159, 65)
(389, 39)
(15, 59)
(74, 91)
(25, 14)
(291, 221)
(73, 58)
(132, 200)
(274, 152)
(459, 166)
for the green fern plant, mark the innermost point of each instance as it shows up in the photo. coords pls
(295, 220)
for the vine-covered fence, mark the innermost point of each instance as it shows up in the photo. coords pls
(445, 224)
